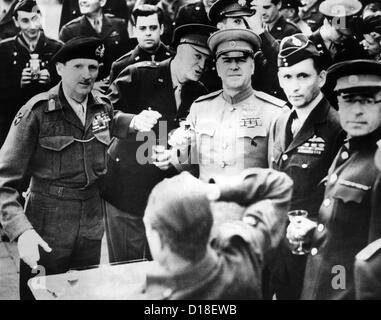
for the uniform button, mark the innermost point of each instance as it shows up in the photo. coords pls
(284, 157)
(344, 155)
(223, 164)
(15, 53)
(167, 293)
(320, 227)
(232, 109)
(326, 202)
(304, 165)
(116, 42)
(15, 62)
(314, 251)
(117, 159)
(333, 178)
(250, 220)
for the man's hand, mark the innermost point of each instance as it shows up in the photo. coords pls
(180, 138)
(44, 77)
(162, 159)
(26, 77)
(28, 244)
(301, 230)
(146, 120)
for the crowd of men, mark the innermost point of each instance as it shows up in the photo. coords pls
(191, 132)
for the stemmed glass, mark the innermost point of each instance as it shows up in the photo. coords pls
(296, 217)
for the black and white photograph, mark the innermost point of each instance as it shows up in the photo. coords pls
(193, 150)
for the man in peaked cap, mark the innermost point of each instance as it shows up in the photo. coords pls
(226, 14)
(151, 92)
(17, 81)
(230, 126)
(351, 204)
(311, 15)
(303, 143)
(59, 138)
(197, 263)
(372, 36)
(290, 11)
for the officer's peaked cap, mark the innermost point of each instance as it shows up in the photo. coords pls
(229, 8)
(340, 8)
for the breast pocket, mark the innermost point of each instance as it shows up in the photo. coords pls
(99, 151)
(351, 203)
(58, 154)
(206, 142)
(252, 144)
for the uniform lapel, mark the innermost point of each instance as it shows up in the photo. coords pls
(68, 111)
(106, 27)
(165, 82)
(86, 28)
(318, 115)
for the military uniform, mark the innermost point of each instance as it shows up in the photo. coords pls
(14, 57)
(368, 272)
(128, 182)
(192, 13)
(70, 10)
(312, 16)
(232, 268)
(138, 55)
(7, 25)
(283, 28)
(232, 134)
(114, 36)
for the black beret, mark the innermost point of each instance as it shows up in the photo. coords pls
(351, 74)
(194, 34)
(27, 6)
(340, 8)
(294, 49)
(80, 47)
(229, 8)
(240, 40)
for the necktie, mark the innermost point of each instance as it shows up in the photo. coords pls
(295, 126)
(82, 113)
(289, 134)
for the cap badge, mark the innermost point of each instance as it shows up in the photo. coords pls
(100, 51)
(353, 79)
(232, 43)
(296, 42)
(242, 3)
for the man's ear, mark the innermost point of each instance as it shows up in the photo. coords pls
(16, 22)
(279, 5)
(322, 78)
(161, 29)
(59, 67)
(102, 3)
(280, 79)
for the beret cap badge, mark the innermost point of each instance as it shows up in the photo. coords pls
(100, 51)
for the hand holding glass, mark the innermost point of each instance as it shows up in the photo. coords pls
(296, 218)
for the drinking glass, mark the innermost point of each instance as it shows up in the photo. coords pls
(296, 217)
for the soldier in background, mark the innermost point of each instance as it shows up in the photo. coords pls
(196, 12)
(290, 10)
(148, 21)
(311, 15)
(7, 24)
(373, 8)
(71, 10)
(274, 22)
(94, 22)
(372, 36)
(21, 76)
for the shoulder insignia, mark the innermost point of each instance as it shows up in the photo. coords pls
(18, 118)
(208, 96)
(369, 250)
(146, 64)
(269, 98)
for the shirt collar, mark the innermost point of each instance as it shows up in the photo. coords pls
(243, 95)
(75, 104)
(303, 113)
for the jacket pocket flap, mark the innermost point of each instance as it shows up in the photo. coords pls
(252, 132)
(349, 193)
(207, 128)
(103, 137)
(56, 143)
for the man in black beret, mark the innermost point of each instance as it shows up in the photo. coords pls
(59, 138)
(195, 12)
(304, 142)
(347, 218)
(94, 22)
(22, 76)
(159, 94)
(372, 36)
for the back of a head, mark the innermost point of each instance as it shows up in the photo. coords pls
(178, 209)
